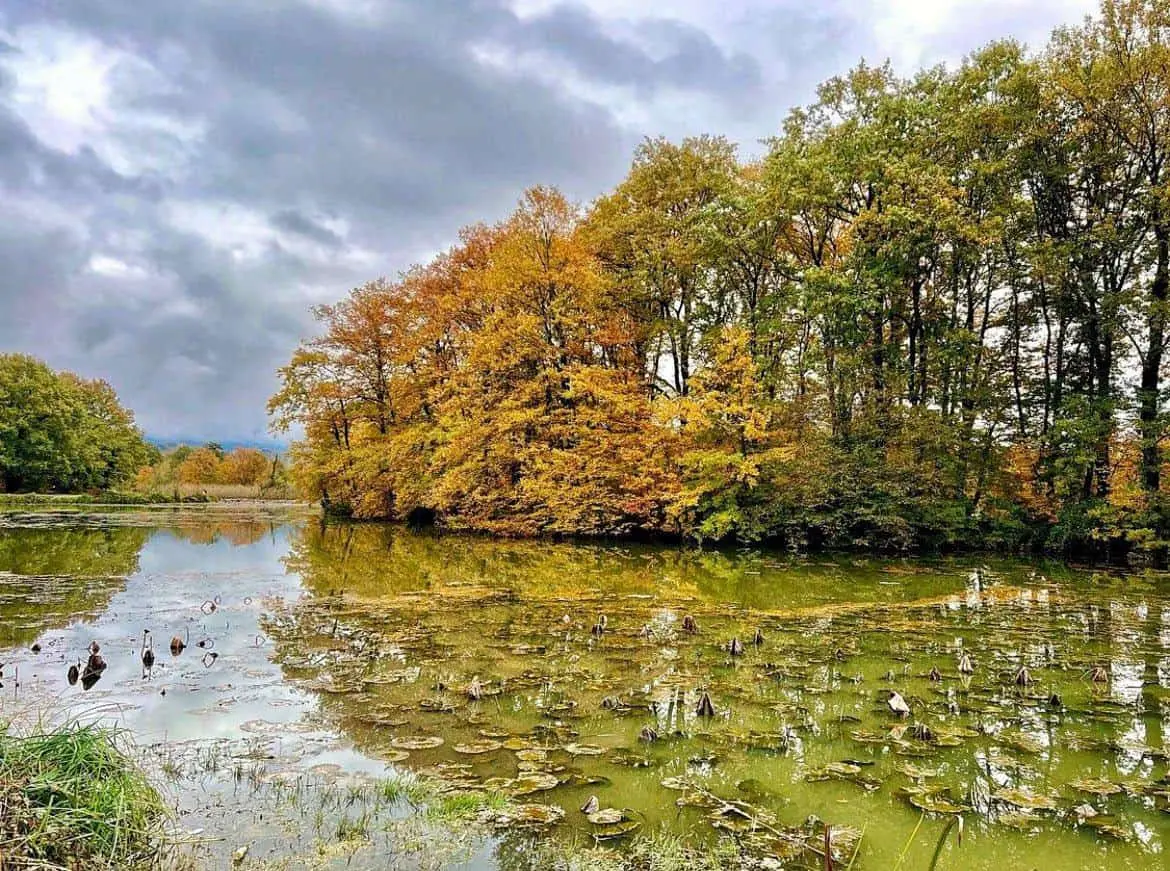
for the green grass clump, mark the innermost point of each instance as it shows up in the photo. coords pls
(408, 789)
(655, 851)
(71, 798)
(464, 805)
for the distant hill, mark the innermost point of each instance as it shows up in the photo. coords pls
(270, 446)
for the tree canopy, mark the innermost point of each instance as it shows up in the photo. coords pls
(210, 464)
(60, 432)
(933, 312)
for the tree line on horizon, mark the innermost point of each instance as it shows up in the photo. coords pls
(931, 314)
(187, 466)
(61, 433)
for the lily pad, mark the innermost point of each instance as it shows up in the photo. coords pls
(584, 749)
(937, 803)
(475, 748)
(614, 831)
(416, 742)
(1107, 826)
(847, 771)
(530, 783)
(606, 816)
(532, 815)
(1095, 786)
(1025, 800)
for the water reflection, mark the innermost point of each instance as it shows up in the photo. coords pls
(49, 577)
(59, 567)
(357, 646)
(376, 560)
(1059, 729)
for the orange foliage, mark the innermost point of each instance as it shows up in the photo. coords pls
(201, 467)
(493, 386)
(246, 466)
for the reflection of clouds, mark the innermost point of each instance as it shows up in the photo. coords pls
(673, 708)
(1126, 680)
(163, 593)
(1122, 627)
(1036, 732)
(975, 580)
(1001, 771)
(1147, 836)
(1132, 753)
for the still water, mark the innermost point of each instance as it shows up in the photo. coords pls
(704, 694)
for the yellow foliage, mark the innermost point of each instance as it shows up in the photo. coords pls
(201, 467)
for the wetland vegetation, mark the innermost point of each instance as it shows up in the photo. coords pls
(356, 695)
(71, 798)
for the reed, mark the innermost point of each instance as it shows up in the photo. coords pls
(71, 798)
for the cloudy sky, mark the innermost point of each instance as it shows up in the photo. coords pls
(181, 179)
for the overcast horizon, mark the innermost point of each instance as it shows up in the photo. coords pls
(183, 181)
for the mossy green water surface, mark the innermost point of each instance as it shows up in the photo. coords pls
(612, 693)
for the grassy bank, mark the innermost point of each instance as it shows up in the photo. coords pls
(71, 798)
(109, 498)
(183, 494)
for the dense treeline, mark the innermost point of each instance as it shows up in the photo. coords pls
(63, 433)
(933, 313)
(210, 464)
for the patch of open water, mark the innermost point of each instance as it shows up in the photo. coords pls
(669, 684)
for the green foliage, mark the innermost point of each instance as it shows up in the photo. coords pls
(933, 315)
(70, 798)
(61, 433)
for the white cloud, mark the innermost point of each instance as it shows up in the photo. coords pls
(62, 85)
(66, 92)
(182, 180)
(111, 267)
(917, 32)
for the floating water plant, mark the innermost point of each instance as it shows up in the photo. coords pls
(147, 654)
(898, 705)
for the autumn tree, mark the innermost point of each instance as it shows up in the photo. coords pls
(931, 314)
(1112, 75)
(244, 466)
(200, 467)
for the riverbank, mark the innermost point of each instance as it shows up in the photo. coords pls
(178, 496)
(51, 503)
(72, 797)
(78, 796)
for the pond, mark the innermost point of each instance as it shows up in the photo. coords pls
(704, 694)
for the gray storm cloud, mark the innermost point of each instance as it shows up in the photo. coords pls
(183, 180)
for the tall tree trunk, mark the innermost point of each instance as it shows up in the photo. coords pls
(1152, 362)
